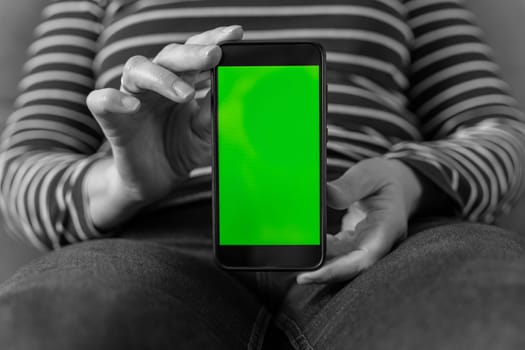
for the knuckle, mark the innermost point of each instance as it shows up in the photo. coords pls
(133, 62)
(166, 51)
(218, 30)
(206, 36)
(124, 79)
(170, 47)
(194, 38)
(131, 71)
(127, 79)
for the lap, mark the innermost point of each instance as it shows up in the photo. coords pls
(452, 286)
(125, 294)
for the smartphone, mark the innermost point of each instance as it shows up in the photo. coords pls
(269, 156)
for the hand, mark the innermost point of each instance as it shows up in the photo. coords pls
(157, 129)
(387, 192)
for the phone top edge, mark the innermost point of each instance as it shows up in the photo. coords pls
(264, 52)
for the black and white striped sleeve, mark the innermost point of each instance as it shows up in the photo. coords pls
(51, 139)
(476, 137)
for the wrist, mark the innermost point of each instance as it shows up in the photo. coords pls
(411, 185)
(109, 202)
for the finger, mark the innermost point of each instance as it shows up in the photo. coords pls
(379, 232)
(111, 101)
(374, 238)
(213, 37)
(142, 75)
(202, 80)
(201, 122)
(338, 245)
(354, 215)
(356, 183)
(200, 135)
(217, 35)
(339, 269)
(188, 57)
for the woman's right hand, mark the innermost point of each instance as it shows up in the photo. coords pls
(157, 130)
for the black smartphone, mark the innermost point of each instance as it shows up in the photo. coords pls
(269, 156)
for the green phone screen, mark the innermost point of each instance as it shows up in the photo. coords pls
(268, 149)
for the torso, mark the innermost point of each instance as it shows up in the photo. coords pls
(368, 57)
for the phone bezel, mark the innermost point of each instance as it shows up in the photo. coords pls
(271, 257)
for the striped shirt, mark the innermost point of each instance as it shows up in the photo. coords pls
(407, 79)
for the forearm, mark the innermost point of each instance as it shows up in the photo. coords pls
(473, 150)
(477, 169)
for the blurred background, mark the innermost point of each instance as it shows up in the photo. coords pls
(503, 22)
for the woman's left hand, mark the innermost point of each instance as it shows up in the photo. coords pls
(388, 192)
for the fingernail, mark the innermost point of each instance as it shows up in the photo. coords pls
(131, 103)
(230, 29)
(182, 89)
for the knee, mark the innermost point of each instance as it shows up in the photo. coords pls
(464, 241)
(121, 294)
(468, 304)
(459, 286)
(463, 286)
(86, 296)
(439, 253)
(92, 264)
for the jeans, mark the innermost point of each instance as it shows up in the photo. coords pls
(449, 285)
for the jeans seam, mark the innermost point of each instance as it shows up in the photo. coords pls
(293, 332)
(338, 304)
(259, 329)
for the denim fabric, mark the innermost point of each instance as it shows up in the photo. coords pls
(456, 286)
(448, 286)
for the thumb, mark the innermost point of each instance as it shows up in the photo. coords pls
(358, 182)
